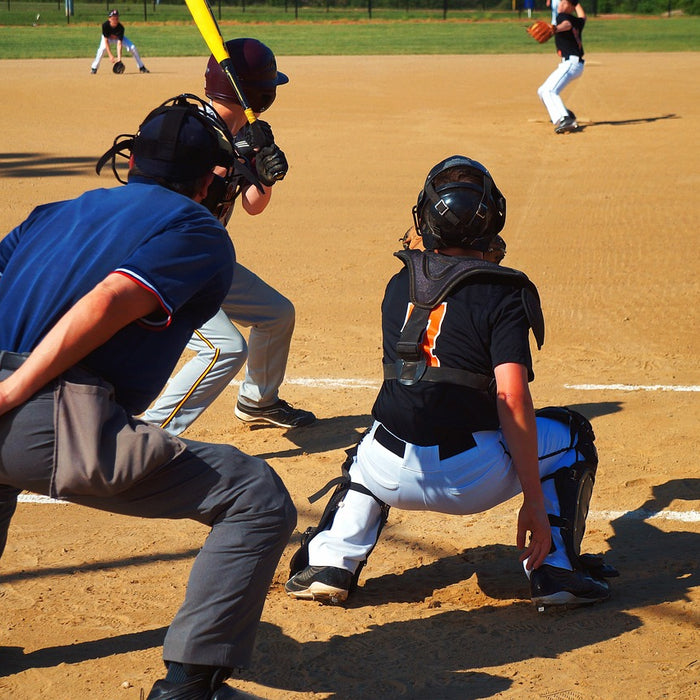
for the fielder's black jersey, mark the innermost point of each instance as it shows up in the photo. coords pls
(478, 326)
(111, 32)
(569, 43)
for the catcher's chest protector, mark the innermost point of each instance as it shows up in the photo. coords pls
(431, 278)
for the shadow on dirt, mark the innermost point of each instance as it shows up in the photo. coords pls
(626, 122)
(41, 165)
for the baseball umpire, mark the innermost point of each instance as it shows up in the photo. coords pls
(251, 302)
(95, 316)
(454, 427)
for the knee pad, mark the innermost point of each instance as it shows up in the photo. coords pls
(582, 437)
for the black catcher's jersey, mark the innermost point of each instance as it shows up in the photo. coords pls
(478, 326)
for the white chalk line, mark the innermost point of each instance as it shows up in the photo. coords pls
(632, 387)
(326, 383)
(691, 516)
(347, 383)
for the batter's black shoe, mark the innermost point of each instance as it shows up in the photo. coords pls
(329, 584)
(550, 585)
(565, 124)
(143, 69)
(279, 413)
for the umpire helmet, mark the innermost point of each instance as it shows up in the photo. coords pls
(459, 205)
(256, 69)
(177, 143)
(181, 140)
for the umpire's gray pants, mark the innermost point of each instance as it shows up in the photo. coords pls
(246, 504)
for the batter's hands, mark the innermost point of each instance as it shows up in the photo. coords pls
(533, 518)
(253, 138)
(271, 165)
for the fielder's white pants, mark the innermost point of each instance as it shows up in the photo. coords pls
(569, 69)
(126, 44)
(467, 483)
(222, 351)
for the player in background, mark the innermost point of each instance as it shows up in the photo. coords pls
(567, 36)
(113, 35)
(554, 5)
(93, 322)
(251, 302)
(454, 427)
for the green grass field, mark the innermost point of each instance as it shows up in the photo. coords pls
(170, 31)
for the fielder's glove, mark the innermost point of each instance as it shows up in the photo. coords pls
(118, 68)
(540, 31)
(271, 165)
(252, 138)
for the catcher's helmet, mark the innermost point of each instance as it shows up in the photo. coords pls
(459, 205)
(256, 69)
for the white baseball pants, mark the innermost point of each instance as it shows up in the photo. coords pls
(569, 69)
(222, 351)
(467, 483)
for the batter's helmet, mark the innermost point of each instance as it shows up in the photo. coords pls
(256, 69)
(459, 205)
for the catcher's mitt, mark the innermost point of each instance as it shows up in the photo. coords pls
(540, 31)
(118, 68)
(412, 240)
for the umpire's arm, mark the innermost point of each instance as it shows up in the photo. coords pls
(110, 306)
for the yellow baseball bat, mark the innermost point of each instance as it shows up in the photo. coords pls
(209, 29)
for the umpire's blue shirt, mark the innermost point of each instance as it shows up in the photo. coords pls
(164, 241)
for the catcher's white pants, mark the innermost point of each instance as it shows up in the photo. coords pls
(467, 483)
(222, 351)
(569, 69)
(126, 44)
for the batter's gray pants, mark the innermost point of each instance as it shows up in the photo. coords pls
(240, 497)
(222, 352)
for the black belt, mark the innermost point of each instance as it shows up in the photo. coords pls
(11, 360)
(398, 446)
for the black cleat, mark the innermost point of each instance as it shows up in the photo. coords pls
(279, 413)
(565, 124)
(550, 585)
(329, 584)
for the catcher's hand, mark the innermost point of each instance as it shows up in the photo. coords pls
(540, 31)
(118, 67)
(271, 165)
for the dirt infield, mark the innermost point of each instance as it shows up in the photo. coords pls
(604, 221)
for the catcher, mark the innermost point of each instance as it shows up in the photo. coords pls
(567, 36)
(454, 427)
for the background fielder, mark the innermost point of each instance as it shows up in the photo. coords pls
(567, 36)
(113, 36)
